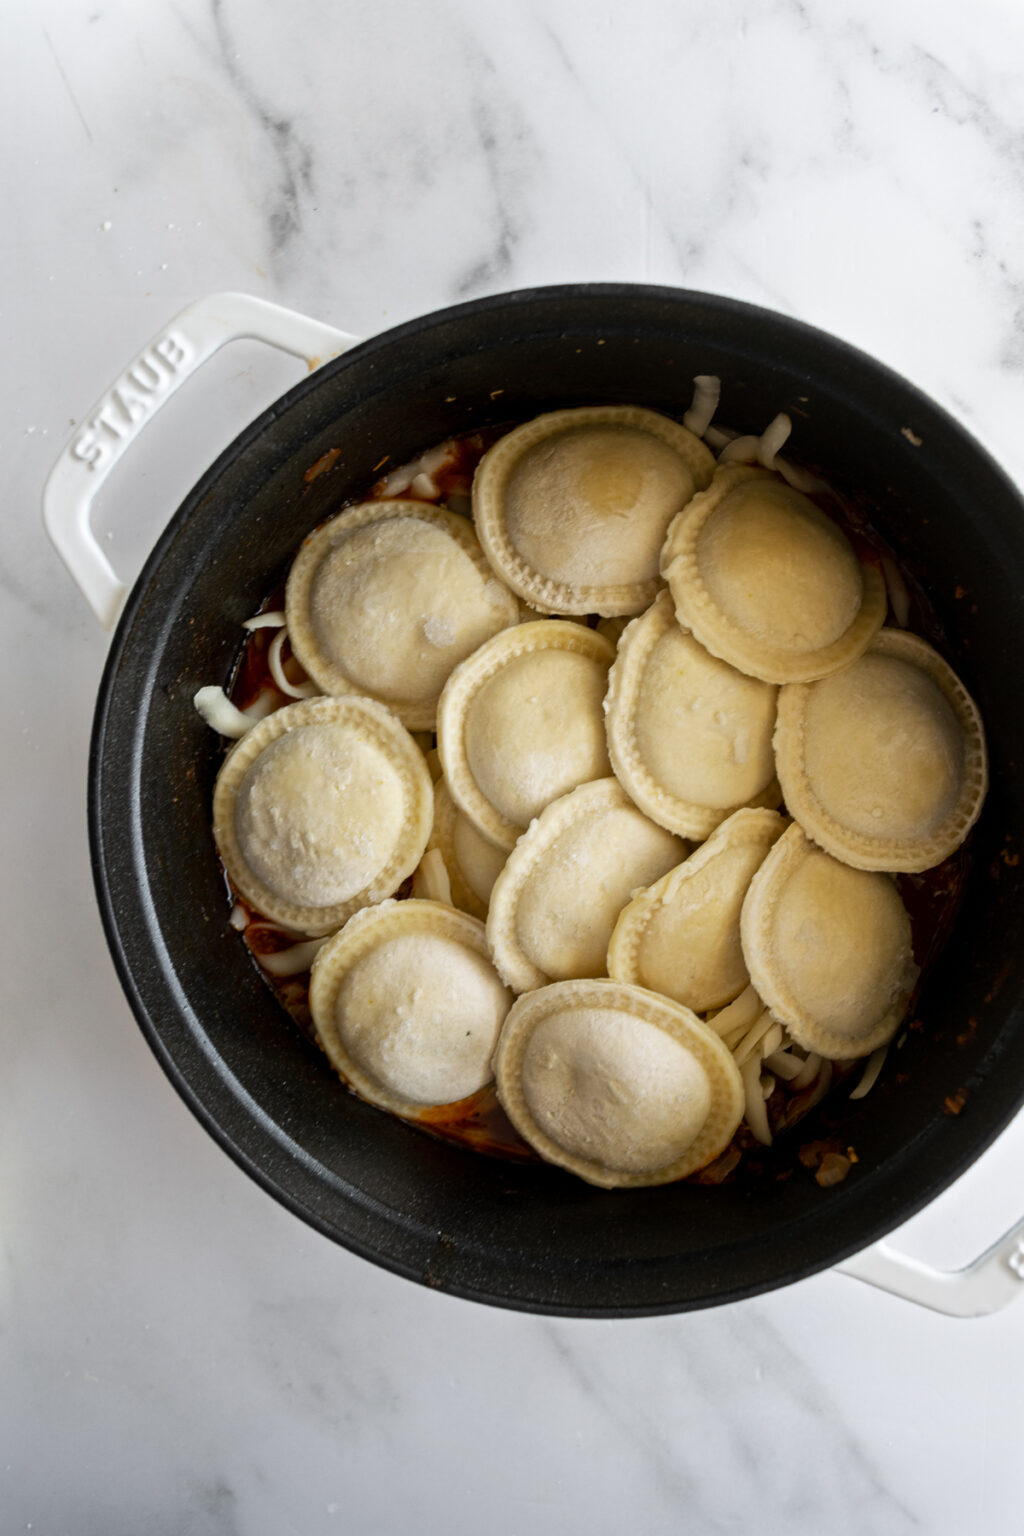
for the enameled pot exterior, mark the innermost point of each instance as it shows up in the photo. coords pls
(517, 1234)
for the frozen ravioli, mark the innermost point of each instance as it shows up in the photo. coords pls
(322, 808)
(884, 763)
(572, 507)
(616, 1084)
(689, 737)
(681, 936)
(554, 905)
(407, 1005)
(828, 948)
(387, 598)
(472, 863)
(769, 583)
(520, 723)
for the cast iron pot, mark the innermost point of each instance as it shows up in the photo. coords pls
(516, 1235)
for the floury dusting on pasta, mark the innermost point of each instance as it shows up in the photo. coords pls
(592, 797)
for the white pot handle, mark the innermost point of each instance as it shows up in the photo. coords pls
(118, 417)
(991, 1282)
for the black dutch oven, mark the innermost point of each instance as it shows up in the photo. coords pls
(522, 1235)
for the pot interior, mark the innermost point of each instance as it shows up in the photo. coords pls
(522, 1235)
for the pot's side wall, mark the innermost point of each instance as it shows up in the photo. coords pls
(520, 1235)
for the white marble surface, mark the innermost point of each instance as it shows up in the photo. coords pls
(179, 1353)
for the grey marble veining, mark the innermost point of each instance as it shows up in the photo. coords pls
(180, 1353)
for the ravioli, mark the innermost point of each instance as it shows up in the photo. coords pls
(387, 598)
(555, 903)
(884, 763)
(572, 507)
(689, 737)
(767, 582)
(322, 808)
(520, 723)
(577, 759)
(472, 863)
(615, 1084)
(407, 1005)
(681, 936)
(828, 948)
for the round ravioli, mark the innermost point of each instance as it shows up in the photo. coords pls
(322, 808)
(689, 736)
(387, 598)
(554, 905)
(884, 763)
(473, 864)
(828, 948)
(769, 583)
(616, 1084)
(681, 936)
(572, 507)
(407, 1005)
(520, 723)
